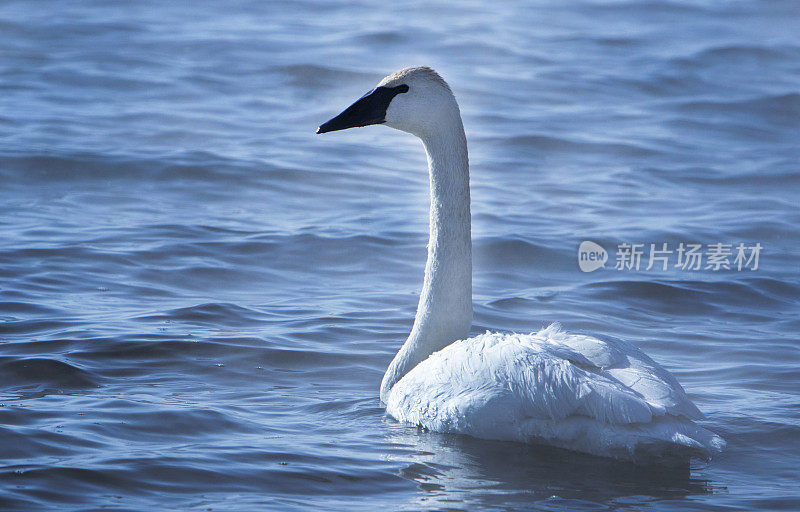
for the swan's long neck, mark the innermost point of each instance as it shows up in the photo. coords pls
(444, 314)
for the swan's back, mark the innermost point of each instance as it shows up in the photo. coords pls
(574, 391)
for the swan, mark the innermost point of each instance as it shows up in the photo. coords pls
(598, 396)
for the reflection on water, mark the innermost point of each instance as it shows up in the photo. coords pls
(464, 473)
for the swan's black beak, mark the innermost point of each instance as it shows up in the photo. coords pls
(369, 109)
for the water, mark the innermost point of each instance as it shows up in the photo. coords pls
(198, 295)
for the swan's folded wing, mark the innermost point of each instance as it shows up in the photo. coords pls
(630, 367)
(544, 376)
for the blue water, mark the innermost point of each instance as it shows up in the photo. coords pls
(198, 295)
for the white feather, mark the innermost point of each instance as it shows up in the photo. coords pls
(574, 391)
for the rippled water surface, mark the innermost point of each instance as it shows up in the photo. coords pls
(198, 295)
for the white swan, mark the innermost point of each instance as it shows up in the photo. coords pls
(573, 391)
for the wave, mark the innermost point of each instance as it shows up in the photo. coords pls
(702, 298)
(772, 109)
(43, 373)
(563, 145)
(49, 166)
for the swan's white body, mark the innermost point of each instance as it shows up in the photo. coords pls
(573, 391)
(601, 397)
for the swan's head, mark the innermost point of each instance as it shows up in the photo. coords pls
(414, 100)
